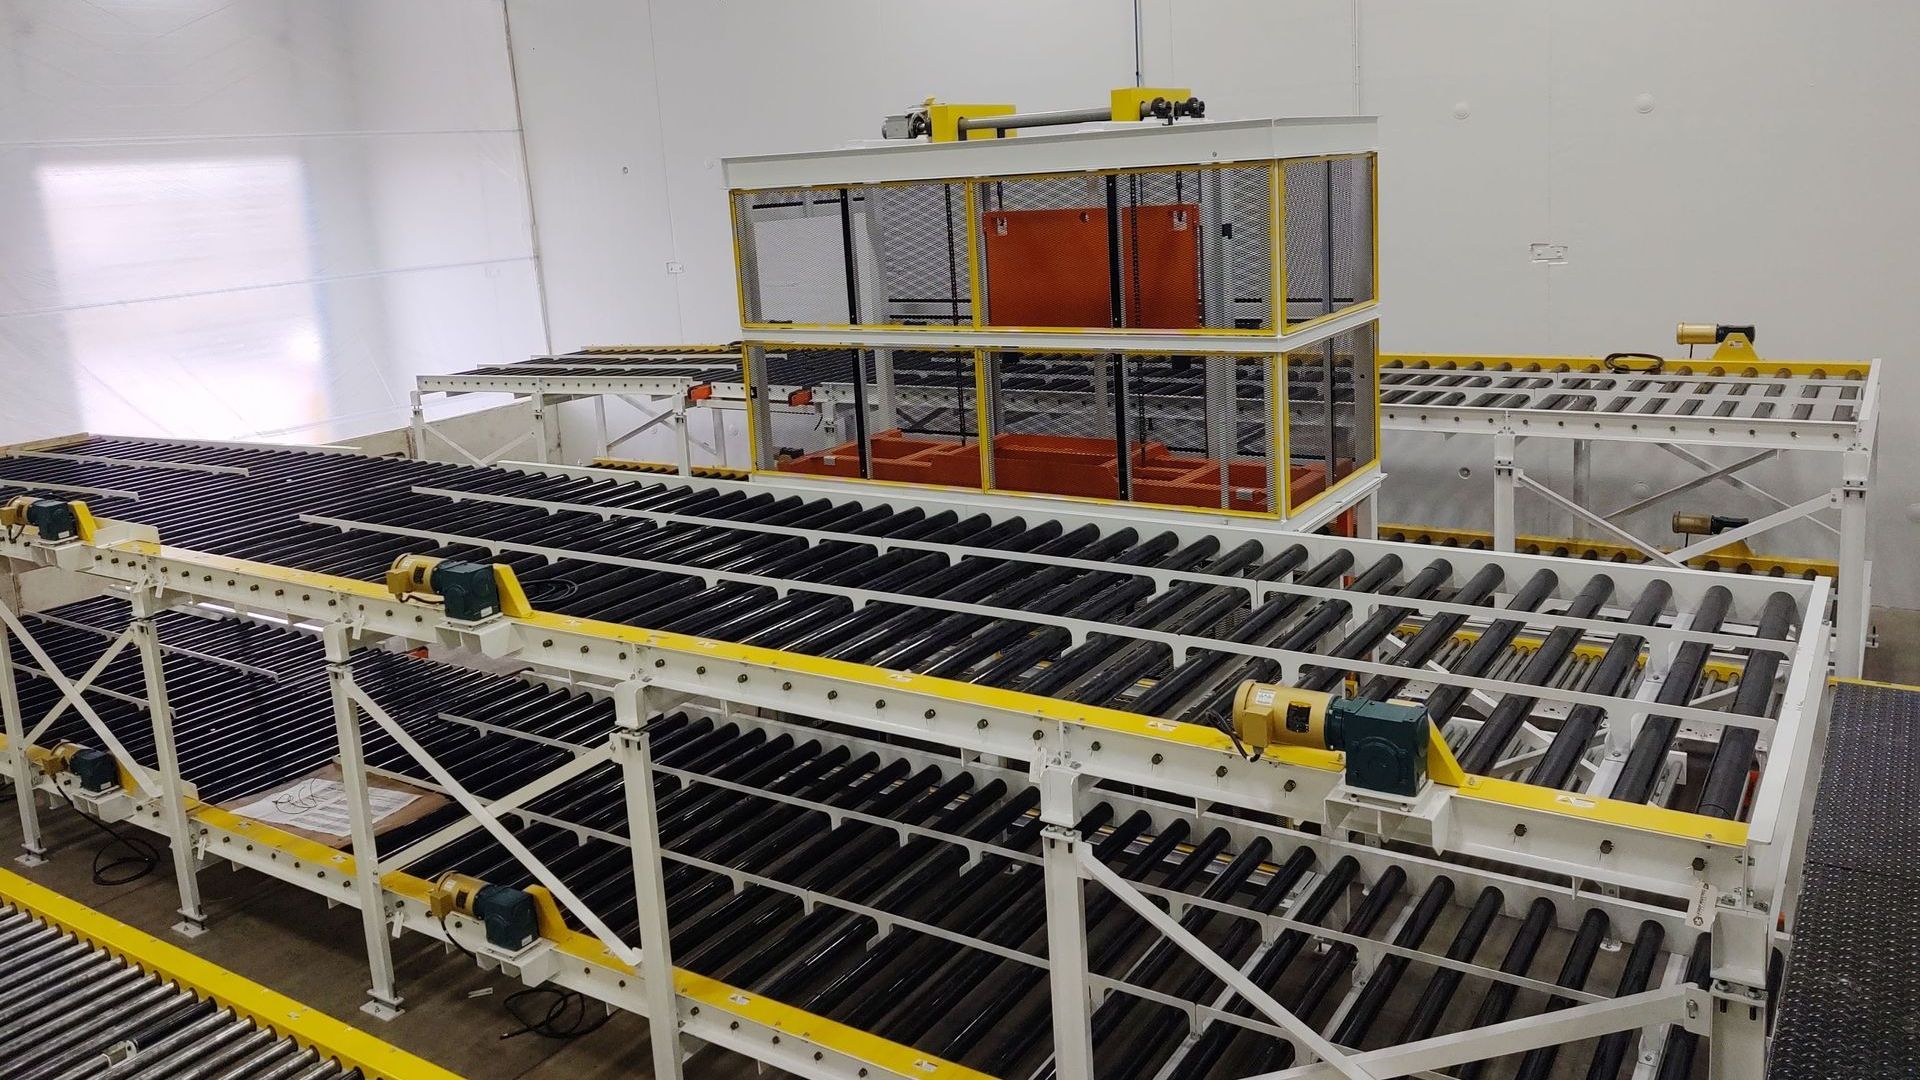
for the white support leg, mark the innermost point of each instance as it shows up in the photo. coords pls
(1737, 1048)
(33, 849)
(1851, 604)
(1067, 954)
(383, 999)
(604, 448)
(542, 429)
(1366, 516)
(1582, 478)
(173, 793)
(416, 427)
(682, 438)
(631, 750)
(1503, 489)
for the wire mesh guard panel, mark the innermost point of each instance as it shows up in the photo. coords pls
(795, 253)
(1195, 427)
(923, 422)
(1329, 434)
(1153, 249)
(918, 235)
(1327, 233)
(1052, 423)
(803, 412)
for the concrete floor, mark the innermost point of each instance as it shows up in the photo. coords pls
(287, 939)
(1897, 659)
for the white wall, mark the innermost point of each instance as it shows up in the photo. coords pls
(257, 217)
(629, 106)
(1717, 160)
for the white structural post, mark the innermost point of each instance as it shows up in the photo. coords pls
(383, 1000)
(1737, 1048)
(1504, 483)
(33, 849)
(683, 439)
(631, 750)
(542, 429)
(1366, 516)
(416, 427)
(1851, 612)
(1066, 928)
(1582, 479)
(173, 791)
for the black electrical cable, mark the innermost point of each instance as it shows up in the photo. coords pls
(555, 1024)
(141, 858)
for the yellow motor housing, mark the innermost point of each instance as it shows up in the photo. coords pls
(1265, 714)
(411, 575)
(454, 894)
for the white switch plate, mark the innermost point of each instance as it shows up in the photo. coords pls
(1549, 253)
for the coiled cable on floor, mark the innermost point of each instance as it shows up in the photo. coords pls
(139, 861)
(566, 1016)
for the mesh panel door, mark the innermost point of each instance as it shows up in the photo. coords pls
(925, 420)
(804, 409)
(1327, 235)
(918, 234)
(1354, 399)
(1053, 422)
(796, 262)
(1310, 421)
(1171, 445)
(1196, 248)
(1330, 410)
(1250, 458)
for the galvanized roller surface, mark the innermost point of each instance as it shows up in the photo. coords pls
(578, 571)
(242, 731)
(71, 1011)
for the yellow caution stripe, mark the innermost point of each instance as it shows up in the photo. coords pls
(309, 1027)
(1600, 551)
(1844, 680)
(1704, 366)
(1626, 815)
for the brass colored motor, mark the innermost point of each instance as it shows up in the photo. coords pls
(1687, 524)
(53, 519)
(95, 770)
(1389, 744)
(411, 575)
(1700, 333)
(13, 514)
(453, 893)
(470, 591)
(1265, 714)
(508, 914)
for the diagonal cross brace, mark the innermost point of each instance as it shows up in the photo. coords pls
(513, 800)
(1650, 1008)
(481, 814)
(72, 694)
(1339, 1060)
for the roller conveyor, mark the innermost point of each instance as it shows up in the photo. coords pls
(73, 1008)
(755, 797)
(807, 823)
(699, 575)
(85, 996)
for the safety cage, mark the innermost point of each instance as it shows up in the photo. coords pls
(1201, 430)
(1211, 249)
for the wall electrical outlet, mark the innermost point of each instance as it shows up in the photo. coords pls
(1553, 254)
